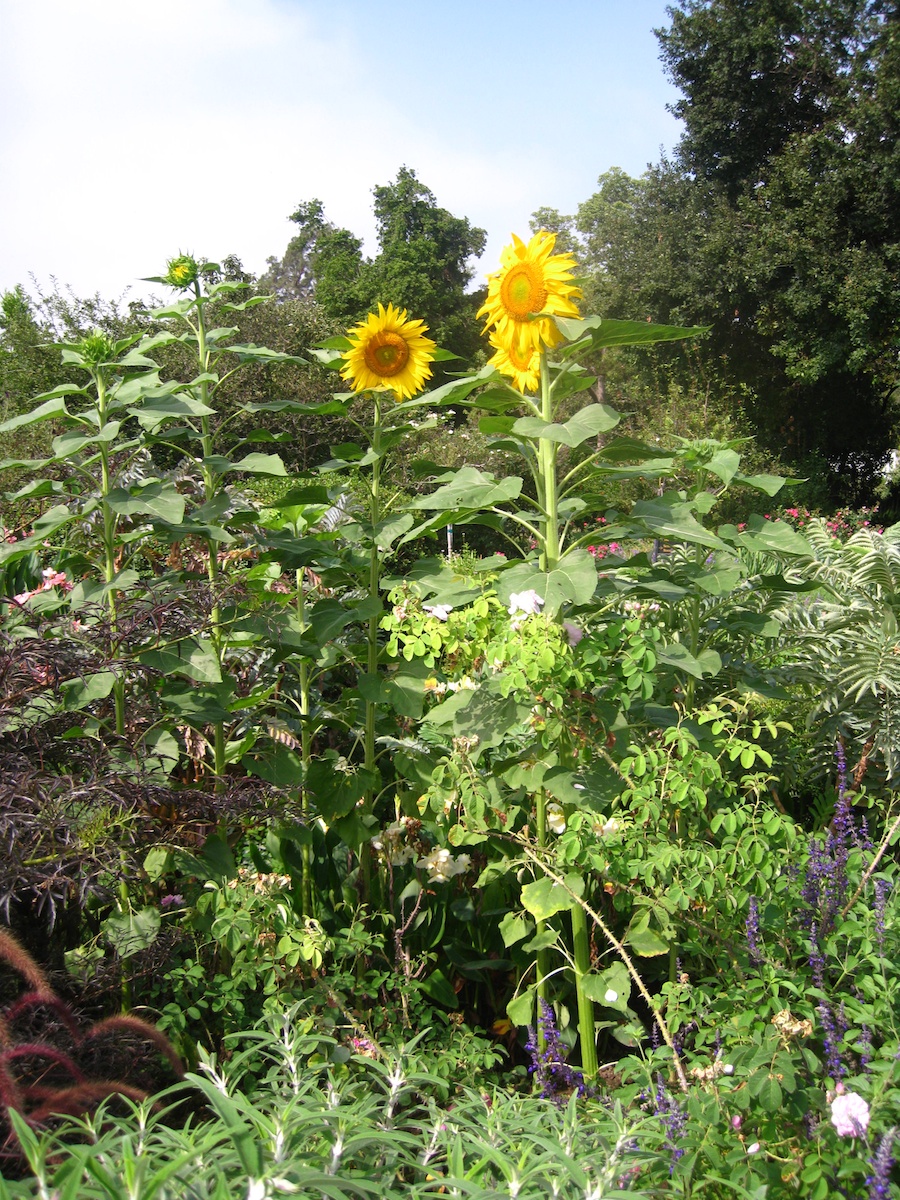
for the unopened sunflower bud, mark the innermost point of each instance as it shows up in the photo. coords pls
(181, 271)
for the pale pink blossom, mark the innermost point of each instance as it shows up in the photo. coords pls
(849, 1114)
(528, 603)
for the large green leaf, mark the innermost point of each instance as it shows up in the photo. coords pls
(514, 927)
(545, 896)
(471, 488)
(74, 440)
(54, 407)
(260, 464)
(720, 582)
(772, 537)
(573, 580)
(597, 333)
(591, 420)
(338, 786)
(76, 693)
(675, 655)
(770, 484)
(156, 499)
(191, 657)
(153, 412)
(130, 933)
(278, 765)
(489, 717)
(611, 987)
(520, 1009)
(250, 353)
(670, 517)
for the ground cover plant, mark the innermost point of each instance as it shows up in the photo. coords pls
(547, 872)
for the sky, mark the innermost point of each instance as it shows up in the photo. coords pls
(133, 131)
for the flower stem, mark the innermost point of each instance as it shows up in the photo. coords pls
(581, 946)
(543, 955)
(109, 546)
(547, 490)
(374, 579)
(306, 901)
(210, 484)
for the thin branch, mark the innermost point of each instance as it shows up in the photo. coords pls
(625, 957)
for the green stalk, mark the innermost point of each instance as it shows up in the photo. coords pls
(370, 762)
(581, 945)
(543, 955)
(547, 452)
(109, 546)
(210, 482)
(374, 579)
(550, 555)
(693, 613)
(306, 757)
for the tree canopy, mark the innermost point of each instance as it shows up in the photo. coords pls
(423, 263)
(776, 222)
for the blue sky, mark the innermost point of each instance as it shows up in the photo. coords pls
(132, 131)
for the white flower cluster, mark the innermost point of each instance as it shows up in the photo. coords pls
(393, 844)
(258, 881)
(441, 611)
(556, 818)
(525, 603)
(462, 685)
(442, 866)
(640, 608)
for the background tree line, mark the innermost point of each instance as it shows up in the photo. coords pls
(776, 222)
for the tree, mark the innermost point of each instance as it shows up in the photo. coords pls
(755, 74)
(422, 264)
(777, 223)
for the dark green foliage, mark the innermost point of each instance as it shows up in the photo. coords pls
(776, 223)
(422, 264)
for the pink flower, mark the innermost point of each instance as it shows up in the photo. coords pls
(849, 1114)
(573, 633)
(525, 602)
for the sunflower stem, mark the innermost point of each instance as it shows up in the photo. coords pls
(306, 901)
(109, 544)
(547, 451)
(374, 579)
(210, 483)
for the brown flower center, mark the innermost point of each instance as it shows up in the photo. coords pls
(386, 354)
(522, 290)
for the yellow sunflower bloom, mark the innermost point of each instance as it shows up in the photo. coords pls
(389, 351)
(531, 280)
(524, 369)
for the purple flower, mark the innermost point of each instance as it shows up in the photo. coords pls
(832, 1035)
(574, 633)
(673, 1117)
(879, 1182)
(754, 942)
(841, 759)
(548, 1066)
(882, 887)
(171, 901)
(816, 957)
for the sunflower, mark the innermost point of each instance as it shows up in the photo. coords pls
(532, 280)
(389, 351)
(524, 369)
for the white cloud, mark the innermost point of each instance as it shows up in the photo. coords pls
(130, 132)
